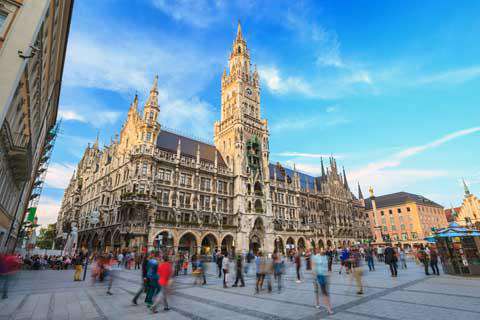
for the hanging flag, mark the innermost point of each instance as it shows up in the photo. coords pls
(31, 214)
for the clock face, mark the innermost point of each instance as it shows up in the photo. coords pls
(249, 91)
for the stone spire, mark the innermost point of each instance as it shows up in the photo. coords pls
(360, 194)
(465, 188)
(134, 105)
(239, 32)
(179, 148)
(345, 182)
(95, 145)
(323, 169)
(152, 100)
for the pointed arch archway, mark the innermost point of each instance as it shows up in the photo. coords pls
(301, 244)
(188, 243)
(227, 244)
(257, 236)
(209, 244)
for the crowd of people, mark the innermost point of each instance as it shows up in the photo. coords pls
(158, 268)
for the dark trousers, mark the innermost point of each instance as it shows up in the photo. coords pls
(434, 266)
(219, 271)
(278, 277)
(5, 278)
(139, 292)
(393, 268)
(330, 261)
(239, 277)
(425, 265)
(152, 289)
(298, 272)
(371, 264)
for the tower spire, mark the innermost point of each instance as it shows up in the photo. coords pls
(95, 145)
(239, 31)
(465, 188)
(153, 97)
(345, 182)
(360, 194)
(323, 169)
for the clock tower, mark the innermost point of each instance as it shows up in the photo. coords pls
(241, 136)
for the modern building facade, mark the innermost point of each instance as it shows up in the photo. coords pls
(403, 217)
(468, 214)
(33, 39)
(152, 187)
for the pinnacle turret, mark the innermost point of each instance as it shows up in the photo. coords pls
(360, 194)
(465, 188)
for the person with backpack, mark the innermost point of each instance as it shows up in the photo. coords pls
(391, 259)
(144, 285)
(278, 268)
(152, 279)
(422, 256)
(369, 258)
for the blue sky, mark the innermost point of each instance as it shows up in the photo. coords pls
(390, 88)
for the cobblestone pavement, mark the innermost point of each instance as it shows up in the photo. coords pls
(53, 295)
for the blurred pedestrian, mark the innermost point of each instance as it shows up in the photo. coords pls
(239, 272)
(225, 269)
(164, 273)
(434, 261)
(278, 269)
(9, 265)
(369, 258)
(357, 271)
(329, 253)
(152, 279)
(422, 256)
(77, 262)
(391, 259)
(320, 279)
(144, 286)
(403, 258)
(219, 263)
(298, 265)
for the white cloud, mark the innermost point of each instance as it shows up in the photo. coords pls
(385, 175)
(270, 75)
(58, 175)
(126, 62)
(199, 13)
(94, 116)
(454, 76)
(47, 210)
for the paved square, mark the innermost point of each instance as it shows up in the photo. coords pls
(53, 295)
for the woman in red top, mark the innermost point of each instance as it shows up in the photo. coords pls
(164, 272)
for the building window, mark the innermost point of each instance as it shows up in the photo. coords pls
(382, 213)
(149, 136)
(385, 228)
(390, 211)
(205, 184)
(399, 210)
(3, 18)
(404, 236)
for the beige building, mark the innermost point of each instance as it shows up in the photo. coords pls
(152, 187)
(469, 212)
(33, 37)
(403, 217)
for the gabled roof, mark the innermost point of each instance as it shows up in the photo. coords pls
(169, 141)
(398, 198)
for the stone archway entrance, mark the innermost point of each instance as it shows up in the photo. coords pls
(227, 244)
(257, 236)
(188, 243)
(301, 244)
(209, 243)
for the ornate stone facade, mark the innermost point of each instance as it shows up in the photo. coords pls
(469, 212)
(153, 187)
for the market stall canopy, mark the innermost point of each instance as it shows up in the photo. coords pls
(453, 230)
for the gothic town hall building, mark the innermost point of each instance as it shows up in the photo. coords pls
(154, 188)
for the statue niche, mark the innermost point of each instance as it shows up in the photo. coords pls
(254, 154)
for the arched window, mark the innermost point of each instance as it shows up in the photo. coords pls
(258, 206)
(239, 50)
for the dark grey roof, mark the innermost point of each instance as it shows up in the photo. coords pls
(289, 173)
(398, 198)
(169, 141)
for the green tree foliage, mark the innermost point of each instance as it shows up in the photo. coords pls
(47, 236)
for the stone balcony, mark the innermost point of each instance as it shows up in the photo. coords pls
(18, 152)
